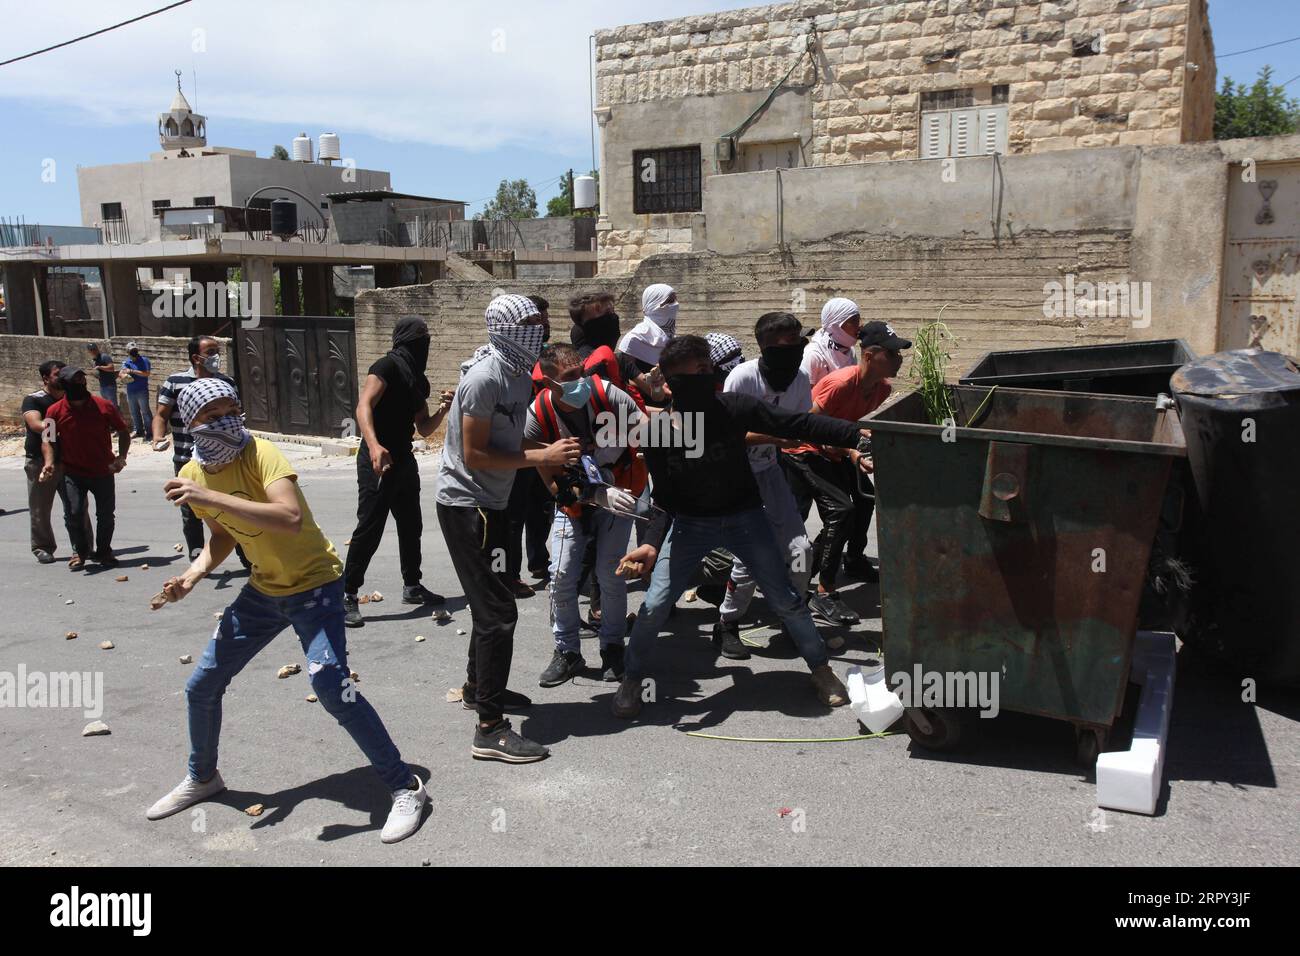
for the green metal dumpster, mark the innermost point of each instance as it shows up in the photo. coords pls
(1018, 546)
(1119, 368)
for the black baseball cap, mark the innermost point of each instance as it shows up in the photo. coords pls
(883, 335)
(68, 373)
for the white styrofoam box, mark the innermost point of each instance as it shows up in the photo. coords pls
(1130, 779)
(875, 704)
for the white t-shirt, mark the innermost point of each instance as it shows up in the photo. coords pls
(820, 358)
(746, 379)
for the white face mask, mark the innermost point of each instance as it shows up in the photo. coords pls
(665, 317)
(213, 363)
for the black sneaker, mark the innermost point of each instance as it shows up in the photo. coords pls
(351, 612)
(627, 699)
(829, 609)
(862, 569)
(105, 559)
(611, 662)
(509, 699)
(726, 638)
(419, 594)
(564, 666)
(520, 589)
(500, 742)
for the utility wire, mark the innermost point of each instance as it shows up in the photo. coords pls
(1224, 56)
(143, 16)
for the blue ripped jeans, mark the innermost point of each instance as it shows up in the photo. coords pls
(251, 623)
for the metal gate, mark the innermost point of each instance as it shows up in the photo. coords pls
(297, 374)
(1262, 259)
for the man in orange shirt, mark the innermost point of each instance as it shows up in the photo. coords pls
(831, 478)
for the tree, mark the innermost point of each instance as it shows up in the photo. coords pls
(1261, 109)
(560, 206)
(279, 152)
(515, 199)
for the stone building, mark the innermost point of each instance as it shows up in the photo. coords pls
(833, 82)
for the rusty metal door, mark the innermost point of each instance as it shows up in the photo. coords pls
(1261, 268)
(297, 374)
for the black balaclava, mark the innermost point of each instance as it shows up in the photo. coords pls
(692, 392)
(411, 352)
(779, 364)
(602, 330)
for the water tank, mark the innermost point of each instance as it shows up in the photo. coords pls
(329, 147)
(284, 217)
(584, 192)
(302, 148)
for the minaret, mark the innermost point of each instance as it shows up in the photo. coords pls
(180, 127)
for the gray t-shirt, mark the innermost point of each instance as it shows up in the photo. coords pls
(488, 391)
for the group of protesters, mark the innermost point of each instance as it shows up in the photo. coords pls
(70, 451)
(616, 456)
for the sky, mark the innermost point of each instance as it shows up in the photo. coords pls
(450, 98)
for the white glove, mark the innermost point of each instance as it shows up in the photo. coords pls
(616, 500)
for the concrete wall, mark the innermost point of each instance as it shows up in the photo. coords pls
(994, 293)
(690, 80)
(20, 355)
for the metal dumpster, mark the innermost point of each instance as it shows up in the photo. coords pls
(1241, 410)
(1019, 547)
(1124, 368)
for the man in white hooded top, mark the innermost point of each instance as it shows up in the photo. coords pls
(831, 347)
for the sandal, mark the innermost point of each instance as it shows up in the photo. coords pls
(76, 562)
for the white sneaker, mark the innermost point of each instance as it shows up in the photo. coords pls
(187, 793)
(404, 818)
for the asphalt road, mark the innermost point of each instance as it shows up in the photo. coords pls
(644, 793)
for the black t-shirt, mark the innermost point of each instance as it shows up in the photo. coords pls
(106, 379)
(716, 478)
(394, 413)
(37, 402)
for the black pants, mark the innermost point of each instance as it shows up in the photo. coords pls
(845, 513)
(474, 536)
(398, 494)
(530, 513)
(78, 491)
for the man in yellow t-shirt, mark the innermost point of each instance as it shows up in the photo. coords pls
(246, 492)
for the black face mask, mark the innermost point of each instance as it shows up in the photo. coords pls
(601, 331)
(779, 364)
(77, 393)
(692, 392)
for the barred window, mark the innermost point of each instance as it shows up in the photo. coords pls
(666, 180)
(110, 211)
(160, 204)
(205, 200)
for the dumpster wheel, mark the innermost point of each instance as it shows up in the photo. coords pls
(1088, 745)
(935, 728)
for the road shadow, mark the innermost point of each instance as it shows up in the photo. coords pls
(357, 789)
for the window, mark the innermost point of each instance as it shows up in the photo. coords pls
(110, 211)
(160, 204)
(261, 202)
(666, 180)
(205, 200)
(977, 131)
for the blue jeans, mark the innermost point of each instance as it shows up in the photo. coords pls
(108, 392)
(141, 418)
(748, 535)
(251, 623)
(569, 540)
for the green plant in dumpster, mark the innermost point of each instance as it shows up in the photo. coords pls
(930, 359)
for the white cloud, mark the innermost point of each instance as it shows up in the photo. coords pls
(479, 75)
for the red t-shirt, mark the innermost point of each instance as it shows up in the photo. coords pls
(85, 435)
(839, 395)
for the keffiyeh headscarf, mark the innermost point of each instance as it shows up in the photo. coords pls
(724, 350)
(515, 344)
(649, 336)
(834, 314)
(220, 441)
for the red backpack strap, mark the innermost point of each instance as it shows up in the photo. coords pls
(546, 418)
(599, 397)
